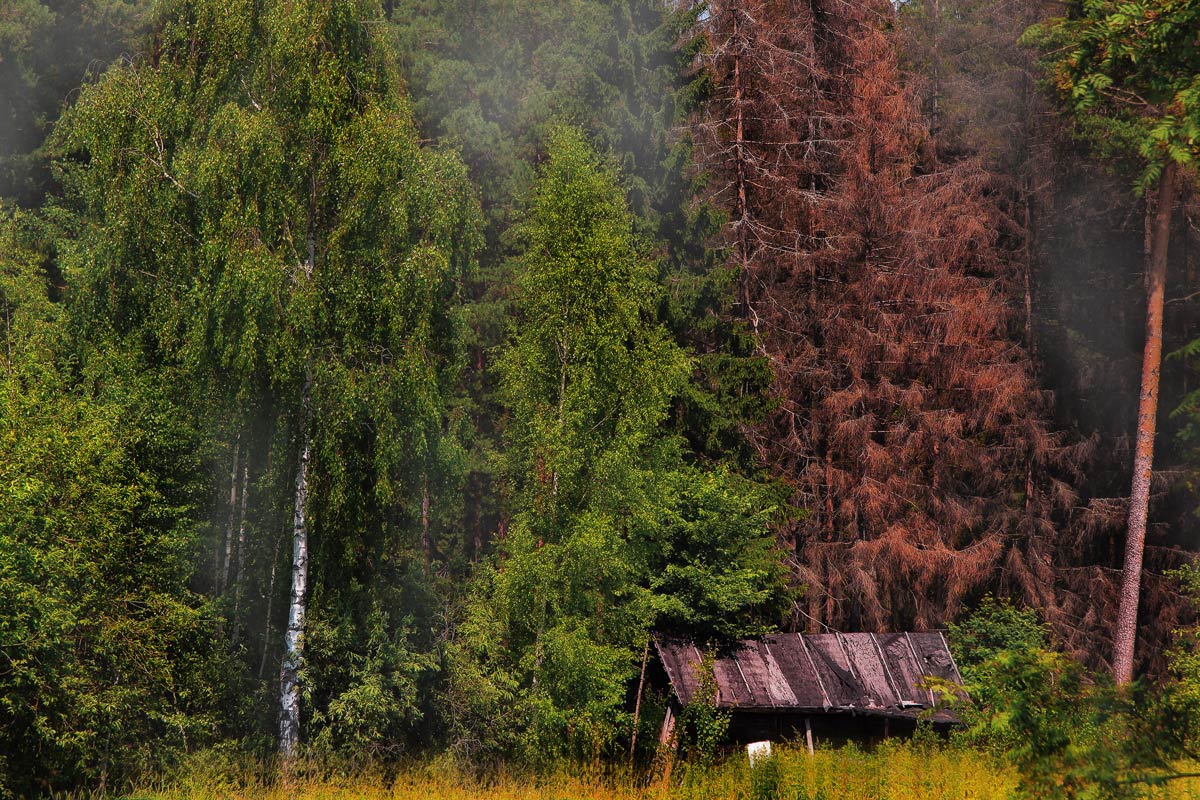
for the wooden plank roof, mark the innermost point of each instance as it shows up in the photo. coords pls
(867, 673)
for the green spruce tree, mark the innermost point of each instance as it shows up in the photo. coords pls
(613, 533)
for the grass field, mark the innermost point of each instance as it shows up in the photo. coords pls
(890, 772)
(896, 771)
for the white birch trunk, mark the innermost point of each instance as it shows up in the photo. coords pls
(293, 641)
(223, 580)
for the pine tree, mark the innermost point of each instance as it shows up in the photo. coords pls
(47, 49)
(1131, 74)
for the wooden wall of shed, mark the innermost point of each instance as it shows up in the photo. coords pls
(828, 729)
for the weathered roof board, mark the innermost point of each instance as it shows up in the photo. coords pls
(875, 673)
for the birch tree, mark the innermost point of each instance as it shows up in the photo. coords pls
(258, 223)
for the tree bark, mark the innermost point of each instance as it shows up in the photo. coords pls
(223, 579)
(241, 554)
(934, 10)
(267, 626)
(1143, 460)
(742, 210)
(293, 642)
(637, 705)
(426, 538)
(1030, 340)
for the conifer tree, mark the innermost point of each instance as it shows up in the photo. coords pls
(909, 423)
(47, 49)
(1130, 72)
(491, 78)
(613, 532)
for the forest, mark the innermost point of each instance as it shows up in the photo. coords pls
(381, 377)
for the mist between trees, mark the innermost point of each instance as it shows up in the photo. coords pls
(379, 377)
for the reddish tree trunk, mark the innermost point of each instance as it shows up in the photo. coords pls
(1143, 459)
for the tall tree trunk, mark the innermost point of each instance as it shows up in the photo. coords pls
(223, 578)
(426, 537)
(1143, 460)
(293, 641)
(742, 210)
(267, 626)
(1029, 249)
(241, 554)
(477, 549)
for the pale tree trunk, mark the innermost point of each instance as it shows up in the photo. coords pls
(1143, 460)
(426, 538)
(739, 143)
(241, 554)
(293, 641)
(223, 579)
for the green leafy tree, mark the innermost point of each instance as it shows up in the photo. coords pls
(256, 224)
(491, 77)
(612, 531)
(108, 665)
(1072, 734)
(1130, 74)
(993, 627)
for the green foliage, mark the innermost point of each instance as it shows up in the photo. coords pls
(765, 780)
(992, 628)
(702, 725)
(109, 665)
(892, 771)
(47, 48)
(254, 224)
(612, 532)
(376, 699)
(491, 79)
(1073, 734)
(1130, 72)
(1043, 715)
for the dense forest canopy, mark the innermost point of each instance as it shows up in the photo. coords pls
(380, 377)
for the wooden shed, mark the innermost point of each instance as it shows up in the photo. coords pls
(844, 685)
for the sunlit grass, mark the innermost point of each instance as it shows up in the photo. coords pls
(891, 772)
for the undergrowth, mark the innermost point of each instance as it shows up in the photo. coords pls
(892, 771)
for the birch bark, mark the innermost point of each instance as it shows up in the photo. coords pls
(293, 641)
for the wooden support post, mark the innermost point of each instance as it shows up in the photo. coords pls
(808, 735)
(637, 706)
(668, 728)
(666, 747)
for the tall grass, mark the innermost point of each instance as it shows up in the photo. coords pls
(893, 771)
